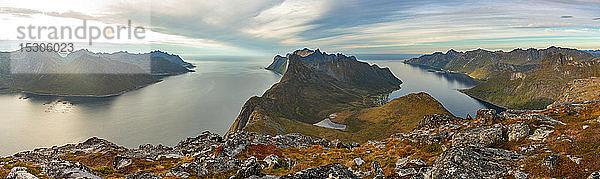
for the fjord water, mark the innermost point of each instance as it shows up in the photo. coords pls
(180, 106)
(165, 112)
(442, 86)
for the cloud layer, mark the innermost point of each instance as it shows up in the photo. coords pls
(350, 26)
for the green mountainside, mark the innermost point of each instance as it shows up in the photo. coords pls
(316, 85)
(519, 79)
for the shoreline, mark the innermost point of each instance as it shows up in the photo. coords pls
(482, 100)
(159, 79)
(87, 96)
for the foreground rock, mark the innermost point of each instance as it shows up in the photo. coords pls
(143, 175)
(435, 120)
(517, 131)
(67, 169)
(474, 162)
(151, 152)
(327, 171)
(20, 173)
(483, 136)
(448, 148)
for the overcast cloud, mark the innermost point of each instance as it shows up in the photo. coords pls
(349, 26)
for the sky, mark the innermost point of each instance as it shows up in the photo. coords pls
(267, 27)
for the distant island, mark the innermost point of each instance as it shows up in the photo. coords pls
(519, 79)
(84, 73)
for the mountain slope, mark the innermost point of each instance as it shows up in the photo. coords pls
(315, 85)
(84, 73)
(519, 79)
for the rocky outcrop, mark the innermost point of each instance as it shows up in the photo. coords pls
(435, 120)
(595, 175)
(458, 148)
(541, 133)
(376, 169)
(517, 131)
(482, 136)
(251, 167)
(272, 161)
(326, 171)
(151, 152)
(474, 162)
(121, 162)
(199, 145)
(236, 142)
(425, 136)
(486, 116)
(45, 155)
(20, 173)
(290, 140)
(68, 169)
(405, 167)
(143, 175)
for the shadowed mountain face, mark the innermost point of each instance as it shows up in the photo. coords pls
(344, 69)
(519, 79)
(315, 85)
(85, 73)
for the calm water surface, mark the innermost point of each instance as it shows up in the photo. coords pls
(443, 87)
(178, 107)
(166, 112)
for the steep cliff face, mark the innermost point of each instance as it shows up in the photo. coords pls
(519, 79)
(314, 85)
(340, 67)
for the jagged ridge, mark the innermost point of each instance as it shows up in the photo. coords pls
(314, 85)
(519, 79)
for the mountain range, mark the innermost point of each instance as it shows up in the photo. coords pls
(316, 86)
(84, 73)
(519, 79)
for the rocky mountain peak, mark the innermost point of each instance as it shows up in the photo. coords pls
(451, 52)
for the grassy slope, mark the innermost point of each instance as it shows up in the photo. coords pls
(399, 115)
(543, 74)
(539, 88)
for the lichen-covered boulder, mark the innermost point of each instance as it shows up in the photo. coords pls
(20, 173)
(251, 167)
(327, 171)
(517, 131)
(199, 145)
(474, 162)
(431, 121)
(482, 136)
(376, 169)
(68, 169)
(595, 175)
(143, 175)
(486, 116)
(272, 161)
